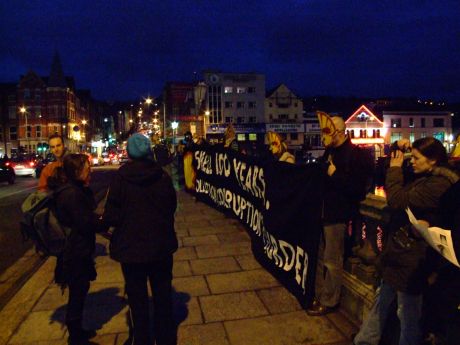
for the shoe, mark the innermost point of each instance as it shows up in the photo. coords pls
(319, 310)
(81, 337)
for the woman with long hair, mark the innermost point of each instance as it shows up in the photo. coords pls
(405, 260)
(75, 267)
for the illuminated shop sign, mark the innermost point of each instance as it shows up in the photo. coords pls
(285, 127)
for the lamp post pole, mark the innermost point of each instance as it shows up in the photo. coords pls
(164, 120)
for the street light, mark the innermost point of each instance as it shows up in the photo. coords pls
(174, 126)
(84, 122)
(206, 116)
(23, 111)
(199, 92)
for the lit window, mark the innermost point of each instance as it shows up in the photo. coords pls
(240, 89)
(396, 123)
(396, 136)
(252, 136)
(411, 137)
(241, 137)
(228, 89)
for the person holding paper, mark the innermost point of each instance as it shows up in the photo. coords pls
(442, 298)
(403, 261)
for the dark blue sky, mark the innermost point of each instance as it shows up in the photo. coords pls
(125, 49)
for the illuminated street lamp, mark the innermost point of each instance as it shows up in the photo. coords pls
(206, 116)
(174, 126)
(23, 111)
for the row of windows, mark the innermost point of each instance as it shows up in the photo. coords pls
(281, 116)
(437, 122)
(241, 105)
(239, 89)
(282, 105)
(240, 119)
(398, 136)
(14, 132)
(363, 133)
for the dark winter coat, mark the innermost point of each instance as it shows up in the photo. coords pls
(75, 209)
(347, 186)
(141, 205)
(406, 269)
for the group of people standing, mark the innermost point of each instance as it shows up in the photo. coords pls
(424, 286)
(141, 203)
(140, 207)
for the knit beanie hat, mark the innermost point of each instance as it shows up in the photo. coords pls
(139, 146)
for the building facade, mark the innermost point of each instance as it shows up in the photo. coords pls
(37, 107)
(236, 98)
(414, 125)
(284, 115)
(377, 128)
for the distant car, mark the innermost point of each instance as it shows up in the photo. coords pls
(114, 158)
(123, 159)
(95, 160)
(41, 163)
(7, 173)
(24, 166)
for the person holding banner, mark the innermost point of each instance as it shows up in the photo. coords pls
(345, 187)
(278, 148)
(405, 263)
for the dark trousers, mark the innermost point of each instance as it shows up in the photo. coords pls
(78, 275)
(159, 274)
(78, 289)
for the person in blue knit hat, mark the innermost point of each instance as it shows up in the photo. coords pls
(139, 147)
(140, 206)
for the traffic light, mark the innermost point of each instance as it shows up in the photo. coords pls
(42, 147)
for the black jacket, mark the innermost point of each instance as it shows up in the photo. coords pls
(75, 209)
(347, 186)
(141, 205)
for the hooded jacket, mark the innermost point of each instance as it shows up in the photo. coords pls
(140, 205)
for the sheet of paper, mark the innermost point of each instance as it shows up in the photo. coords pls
(439, 239)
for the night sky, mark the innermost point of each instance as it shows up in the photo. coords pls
(128, 49)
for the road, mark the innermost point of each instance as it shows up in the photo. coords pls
(17, 258)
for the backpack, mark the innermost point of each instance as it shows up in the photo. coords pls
(39, 223)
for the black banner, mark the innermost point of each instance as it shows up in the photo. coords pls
(279, 203)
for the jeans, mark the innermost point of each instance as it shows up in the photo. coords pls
(159, 274)
(409, 314)
(333, 262)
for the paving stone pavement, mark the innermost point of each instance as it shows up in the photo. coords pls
(221, 295)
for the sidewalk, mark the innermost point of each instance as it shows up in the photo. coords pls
(222, 295)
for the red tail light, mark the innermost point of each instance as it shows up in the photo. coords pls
(8, 164)
(32, 164)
